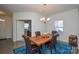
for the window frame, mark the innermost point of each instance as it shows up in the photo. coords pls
(59, 26)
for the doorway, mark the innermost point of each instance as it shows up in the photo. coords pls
(27, 27)
(23, 27)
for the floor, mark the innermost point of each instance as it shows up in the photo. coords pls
(6, 46)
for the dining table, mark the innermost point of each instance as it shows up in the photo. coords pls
(41, 40)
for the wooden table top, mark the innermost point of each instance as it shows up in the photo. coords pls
(41, 39)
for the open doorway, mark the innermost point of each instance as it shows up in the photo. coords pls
(23, 27)
(27, 27)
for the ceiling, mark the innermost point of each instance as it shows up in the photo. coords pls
(40, 8)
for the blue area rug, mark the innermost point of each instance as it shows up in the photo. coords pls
(61, 48)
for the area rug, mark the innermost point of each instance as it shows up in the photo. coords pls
(61, 48)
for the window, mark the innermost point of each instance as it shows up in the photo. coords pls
(59, 25)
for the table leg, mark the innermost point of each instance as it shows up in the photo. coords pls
(42, 48)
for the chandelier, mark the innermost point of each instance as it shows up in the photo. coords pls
(44, 19)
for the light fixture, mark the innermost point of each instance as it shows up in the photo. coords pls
(44, 19)
(2, 20)
(3, 13)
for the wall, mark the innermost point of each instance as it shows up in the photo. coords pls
(78, 27)
(71, 20)
(36, 24)
(6, 27)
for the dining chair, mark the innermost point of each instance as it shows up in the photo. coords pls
(29, 47)
(53, 42)
(29, 33)
(73, 39)
(37, 33)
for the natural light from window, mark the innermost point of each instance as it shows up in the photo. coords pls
(59, 25)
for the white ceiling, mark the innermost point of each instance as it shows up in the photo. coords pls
(49, 8)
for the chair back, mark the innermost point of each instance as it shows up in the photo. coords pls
(29, 33)
(27, 43)
(73, 40)
(54, 39)
(55, 33)
(37, 33)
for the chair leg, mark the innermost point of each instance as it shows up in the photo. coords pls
(26, 51)
(14, 51)
(51, 51)
(55, 48)
(39, 51)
